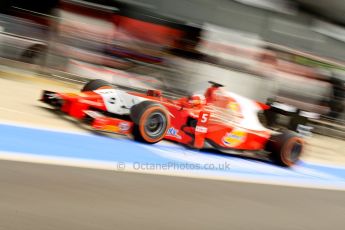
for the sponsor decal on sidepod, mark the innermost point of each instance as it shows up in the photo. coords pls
(234, 138)
(124, 126)
(173, 133)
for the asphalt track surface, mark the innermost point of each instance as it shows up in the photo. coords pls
(36, 196)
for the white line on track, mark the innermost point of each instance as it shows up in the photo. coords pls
(128, 168)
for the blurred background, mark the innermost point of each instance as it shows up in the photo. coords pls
(287, 53)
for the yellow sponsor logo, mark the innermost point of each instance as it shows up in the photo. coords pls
(233, 106)
(234, 138)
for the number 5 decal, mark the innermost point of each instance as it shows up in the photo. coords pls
(201, 129)
(203, 117)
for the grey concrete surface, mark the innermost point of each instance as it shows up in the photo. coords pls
(34, 196)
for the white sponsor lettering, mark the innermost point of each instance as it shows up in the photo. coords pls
(201, 129)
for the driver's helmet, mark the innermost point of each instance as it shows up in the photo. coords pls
(197, 99)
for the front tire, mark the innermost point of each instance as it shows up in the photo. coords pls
(285, 148)
(151, 121)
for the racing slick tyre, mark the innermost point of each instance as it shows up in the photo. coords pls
(97, 84)
(151, 121)
(285, 148)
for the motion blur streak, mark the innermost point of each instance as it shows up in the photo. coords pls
(286, 56)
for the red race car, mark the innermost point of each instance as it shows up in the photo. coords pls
(217, 119)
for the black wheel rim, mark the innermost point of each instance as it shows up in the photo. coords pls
(155, 124)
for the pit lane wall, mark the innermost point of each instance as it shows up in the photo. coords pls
(285, 25)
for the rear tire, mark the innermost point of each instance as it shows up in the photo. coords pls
(286, 148)
(97, 84)
(151, 121)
